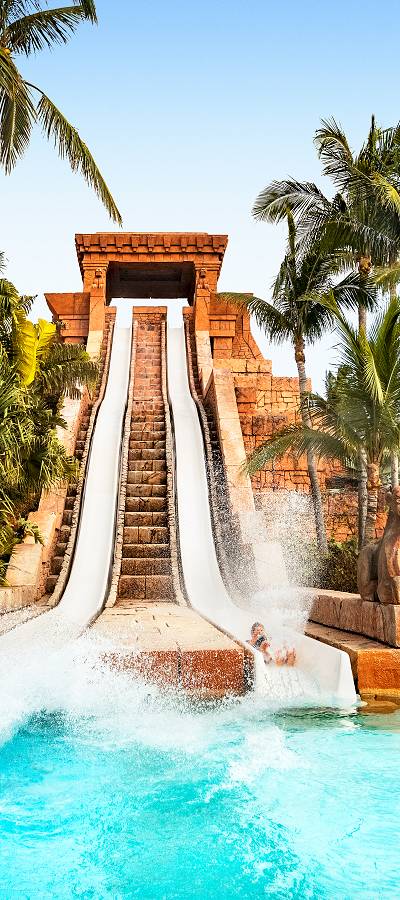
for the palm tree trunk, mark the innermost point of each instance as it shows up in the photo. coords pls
(362, 498)
(311, 461)
(394, 467)
(373, 472)
(362, 318)
(364, 268)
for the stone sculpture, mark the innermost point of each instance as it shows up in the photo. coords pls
(378, 571)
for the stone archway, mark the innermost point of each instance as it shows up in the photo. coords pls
(163, 265)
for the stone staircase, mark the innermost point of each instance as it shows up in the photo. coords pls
(146, 574)
(66, 522)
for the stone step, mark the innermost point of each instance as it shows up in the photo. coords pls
(146, 587)
(125, 605)
(64, 533)
(71, 491)
(146, 566)
(146, 534)
(146, 454)
(67, 517)
(80, 445)
(145, 518)
(146, 465)
(147, 477)
(141, 420)
(51, 582)
(148, 407)
(146, 490)
(153, 443)
(146, 433)
(56, 564)
(140, 551)
(69, 503)
(145, 504)
(60, 548)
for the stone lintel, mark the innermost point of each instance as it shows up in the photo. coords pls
(115, 244)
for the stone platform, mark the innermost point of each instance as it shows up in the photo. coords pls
(173, 645)
(376, 667)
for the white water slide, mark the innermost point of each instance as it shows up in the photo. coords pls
(321, 671)
(88, 582)
(86, 590)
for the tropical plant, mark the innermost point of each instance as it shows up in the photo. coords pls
(36, 373)
(361, 409)
(304, 294)
(26, 27)
(361, 222)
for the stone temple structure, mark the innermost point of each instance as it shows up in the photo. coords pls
(251, 403)
(239, 403)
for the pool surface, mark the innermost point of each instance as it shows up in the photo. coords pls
(115, 791)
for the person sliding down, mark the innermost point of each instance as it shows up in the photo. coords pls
(284, 656)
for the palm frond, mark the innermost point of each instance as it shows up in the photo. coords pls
(268, 317)
(17, 114)
(88, 8)
(299, 440)
(273, 203)
(334, 151)
(41, 29)
(71, 146)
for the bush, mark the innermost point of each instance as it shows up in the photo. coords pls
(336, 572)
(339, 569)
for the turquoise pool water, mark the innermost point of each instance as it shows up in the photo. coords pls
(113, 791)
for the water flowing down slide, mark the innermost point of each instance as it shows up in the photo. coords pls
(321, 671)
(88, 582)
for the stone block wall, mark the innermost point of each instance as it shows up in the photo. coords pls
(265, 404)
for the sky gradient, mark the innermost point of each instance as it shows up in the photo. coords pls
(190, 110)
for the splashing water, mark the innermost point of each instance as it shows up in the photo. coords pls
(111, 789)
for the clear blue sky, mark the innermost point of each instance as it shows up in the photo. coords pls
(190, 109)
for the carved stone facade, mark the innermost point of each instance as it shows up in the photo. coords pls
(174, 265)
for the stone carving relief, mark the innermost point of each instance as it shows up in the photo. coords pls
(378, 572)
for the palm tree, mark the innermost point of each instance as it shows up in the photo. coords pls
(27, 27)
(303, 293)
(361, 410)
(361, 222)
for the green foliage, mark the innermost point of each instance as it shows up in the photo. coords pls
(361, 409)
(361, 222)
(28, 27)
(339, 569)
(335, 571)
(36, 373)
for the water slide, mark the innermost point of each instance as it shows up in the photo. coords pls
(88, 582)
(322, 672)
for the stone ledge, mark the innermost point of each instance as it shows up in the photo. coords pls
(376, 669)
(173, 645)
(348, 612)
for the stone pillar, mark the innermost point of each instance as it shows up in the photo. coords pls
(94, 282)
(206, 284)
(231, 440)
